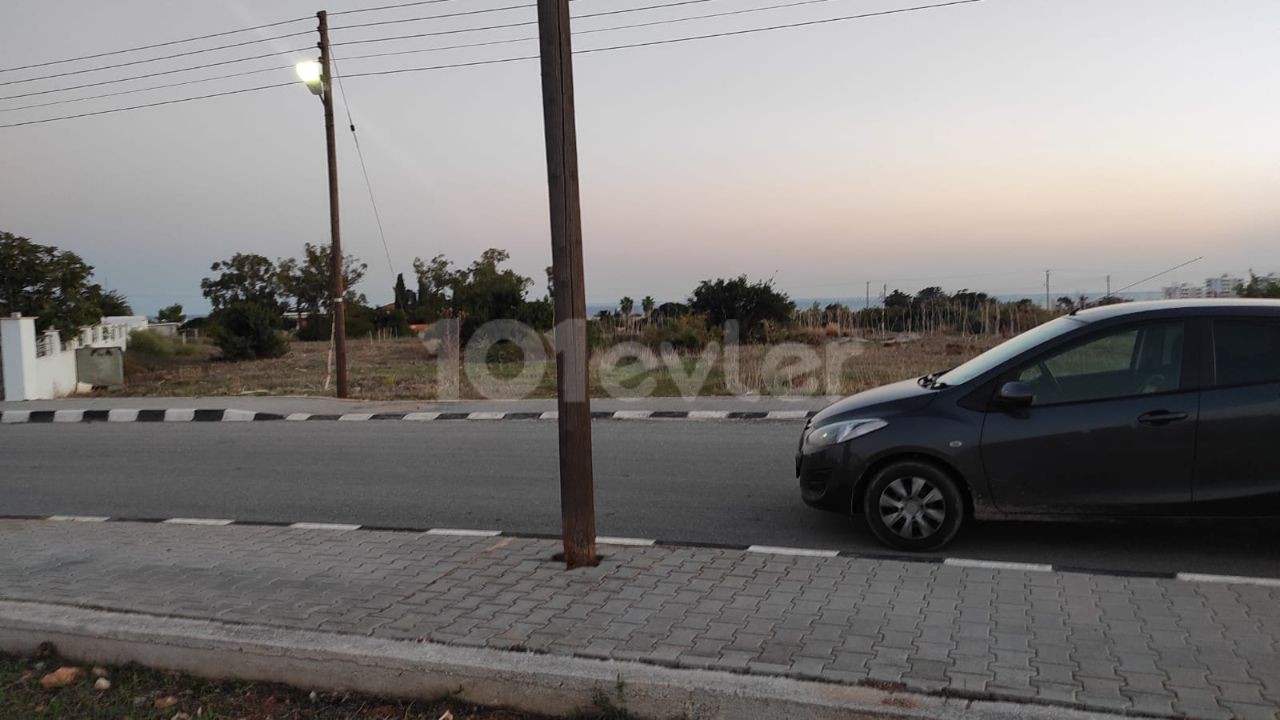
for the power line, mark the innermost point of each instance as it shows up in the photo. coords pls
(154, 74)
(806, 23)
(377, 216)
(611, 28)
(434, 17)
(145, 89)
(150, 105)
(1162, 272)
(157, 59)
(152, 46)
(387, 7)
(523, 58)
(527, 23)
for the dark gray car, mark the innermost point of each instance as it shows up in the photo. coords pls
(1136, 409)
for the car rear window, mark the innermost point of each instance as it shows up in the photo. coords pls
(1246, 351)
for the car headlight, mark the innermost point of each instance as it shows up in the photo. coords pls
(839, 432)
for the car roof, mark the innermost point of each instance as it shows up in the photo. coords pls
(1211, 306)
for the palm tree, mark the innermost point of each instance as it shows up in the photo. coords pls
(647, 306)
(625, 305)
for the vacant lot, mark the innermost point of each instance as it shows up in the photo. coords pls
(402, 369)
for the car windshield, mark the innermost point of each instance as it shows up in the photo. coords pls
(1009, 349)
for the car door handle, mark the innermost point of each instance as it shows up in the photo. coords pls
(1161, 417)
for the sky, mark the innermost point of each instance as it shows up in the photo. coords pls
(971, 146)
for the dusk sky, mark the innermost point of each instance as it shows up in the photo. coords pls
(968, 146)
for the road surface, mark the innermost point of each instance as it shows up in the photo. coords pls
(710, 482)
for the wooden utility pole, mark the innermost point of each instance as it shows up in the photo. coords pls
(336, 305)
(577, 495)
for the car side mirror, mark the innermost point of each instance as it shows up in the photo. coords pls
(1016, 394)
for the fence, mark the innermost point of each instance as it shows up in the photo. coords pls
(40, 366)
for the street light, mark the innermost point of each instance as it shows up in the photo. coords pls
(315, 74)
(311, 73)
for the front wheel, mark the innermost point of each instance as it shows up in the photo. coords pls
(914, 506)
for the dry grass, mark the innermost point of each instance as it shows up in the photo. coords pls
(401, 369)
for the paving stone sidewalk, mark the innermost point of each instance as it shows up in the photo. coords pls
(1133, 644)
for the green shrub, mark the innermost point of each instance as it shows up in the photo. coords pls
(686, 332)
(245, 331)
(150, 343)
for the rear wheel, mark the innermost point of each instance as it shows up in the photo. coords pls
(913, 505)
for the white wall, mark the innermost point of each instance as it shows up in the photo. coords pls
(35, 373)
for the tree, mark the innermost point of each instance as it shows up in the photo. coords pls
(751, 304)
(646, 306)
(404, 298)
(309, 282)
(625, 306)
(110, 303)
(171, 314)
(1260, 287)
(248, 330)
(1066, 303)
(435, 280)
(485, 292)
(49, 284)
(246, 277)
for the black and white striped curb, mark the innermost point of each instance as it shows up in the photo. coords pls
(607, 541)
(12, 417)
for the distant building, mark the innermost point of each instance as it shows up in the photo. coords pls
(1181, 291)
(1220, 287)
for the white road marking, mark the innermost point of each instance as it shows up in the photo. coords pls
(324, 526)
(632, 415)
(464, 533)
(198, 521)
(237, 416)
(997, 565)
(486, 416)
(15, 416)
(179, 415)
(298, 417)
(637, 542)
(805, 552)
(421, 416)
(355, 417)
(77, 518)
(550, 415)
(787, 415)
(1230, 579)
(68, 416)
(122, 415)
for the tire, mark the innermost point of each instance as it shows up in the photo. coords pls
(929, 497)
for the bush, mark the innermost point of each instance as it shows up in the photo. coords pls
(360, 322)
(150, 343)
(245, 331)
(686, 332)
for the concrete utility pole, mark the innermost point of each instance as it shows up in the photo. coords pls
(577, 494)
(336, 305)
(1108, 286)
(867, 305)
(1047, 304)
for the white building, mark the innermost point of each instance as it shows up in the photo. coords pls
(1181, 291)
(1224, 286)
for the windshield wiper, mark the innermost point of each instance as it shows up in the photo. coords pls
(931, 380)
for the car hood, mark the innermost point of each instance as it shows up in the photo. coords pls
(884, 400)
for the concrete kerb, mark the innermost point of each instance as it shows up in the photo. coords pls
(188, 415)
(523, 681)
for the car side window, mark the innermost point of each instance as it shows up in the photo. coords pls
(1126, 362)
(1246, 351)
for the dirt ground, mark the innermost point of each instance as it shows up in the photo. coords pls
(402, 369)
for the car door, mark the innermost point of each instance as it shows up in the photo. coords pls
(1237, 463)
(1111, 429)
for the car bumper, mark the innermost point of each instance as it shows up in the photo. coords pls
(827, 477)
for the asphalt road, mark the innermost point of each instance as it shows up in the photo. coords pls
(718, 482)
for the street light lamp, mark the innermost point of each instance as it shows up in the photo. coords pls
(311, 73)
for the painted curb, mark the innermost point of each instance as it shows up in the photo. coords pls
(604, 540)
(548, 684)
(186, 415)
